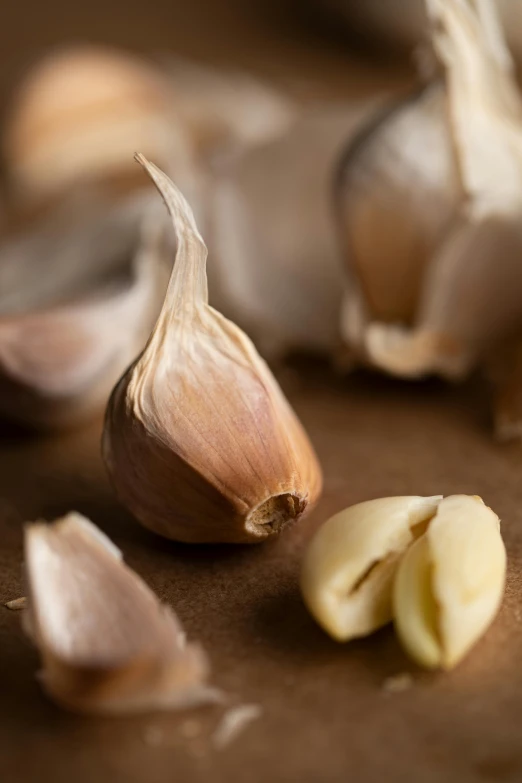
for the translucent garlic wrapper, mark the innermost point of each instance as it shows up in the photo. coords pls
(430, 210)
(200, 443)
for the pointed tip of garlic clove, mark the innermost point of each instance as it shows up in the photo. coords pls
(200, 442)
(107, 644)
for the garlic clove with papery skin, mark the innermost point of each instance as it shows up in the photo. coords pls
(81, 288)
(437, 292)
(199, 441)
(81, 112)
(107, 644)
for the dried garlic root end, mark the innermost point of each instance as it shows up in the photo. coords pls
(107, 644)
(349, 567)
(450, 583)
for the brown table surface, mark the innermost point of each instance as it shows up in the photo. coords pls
(326, 715)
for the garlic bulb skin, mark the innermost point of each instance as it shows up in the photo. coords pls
(82, 112)
(199, 441)
(61, 355)
(434, 242)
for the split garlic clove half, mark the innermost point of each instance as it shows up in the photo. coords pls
(349, 566)
(81, 113)
(107, 644)
(199, 441)
(449, 585)
(438, 285)
(80, 292)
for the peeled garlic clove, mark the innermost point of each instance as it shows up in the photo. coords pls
(67, 334)
(83, 112)
(200, 443)
(460, 298)
(349, 566)
(107, 644)
(449, 585)
(272, 220)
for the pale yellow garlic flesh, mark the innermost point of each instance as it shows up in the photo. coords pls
(450, 584)
(199, 441)
(349, 567)
(107, 644)
(439, 290)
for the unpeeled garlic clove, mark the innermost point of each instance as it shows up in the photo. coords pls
(107, 644)
(81, 289)
(435, 241)
(81, 113)
(349, 566)
(199, 441)
(449, 585)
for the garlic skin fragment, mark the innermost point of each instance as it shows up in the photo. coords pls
(438, 286)
(348, 569)
(199, 441)
(449, 585)
(107, 644)
(65, 339)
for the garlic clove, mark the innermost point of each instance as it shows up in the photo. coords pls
(66, 337)
(106, 642)
(349, 566)
(82, 112)
(398, 175)
(199, 441)
(449, 585)
(462, 296)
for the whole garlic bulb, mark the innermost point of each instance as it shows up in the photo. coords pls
(81, 291)
(82, 112)
(199, 441)
(430, 207)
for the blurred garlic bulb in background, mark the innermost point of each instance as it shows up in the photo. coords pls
(81, 289)
(430, 210)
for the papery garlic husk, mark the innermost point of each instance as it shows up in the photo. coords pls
(81, 289)
(277, 269)
(106, 642)
(199, 441)
(81, 113)
(430, 208)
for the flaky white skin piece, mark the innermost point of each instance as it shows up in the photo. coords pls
(439, 277)
(450, 584)
(107, 644)
(349, 566)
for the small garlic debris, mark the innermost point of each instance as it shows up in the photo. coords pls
(450, 584)
(434, 239)
(349, 566)
(398, 683)
(107, 644)
(17, 603)
(200, 443)
(233, 722)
